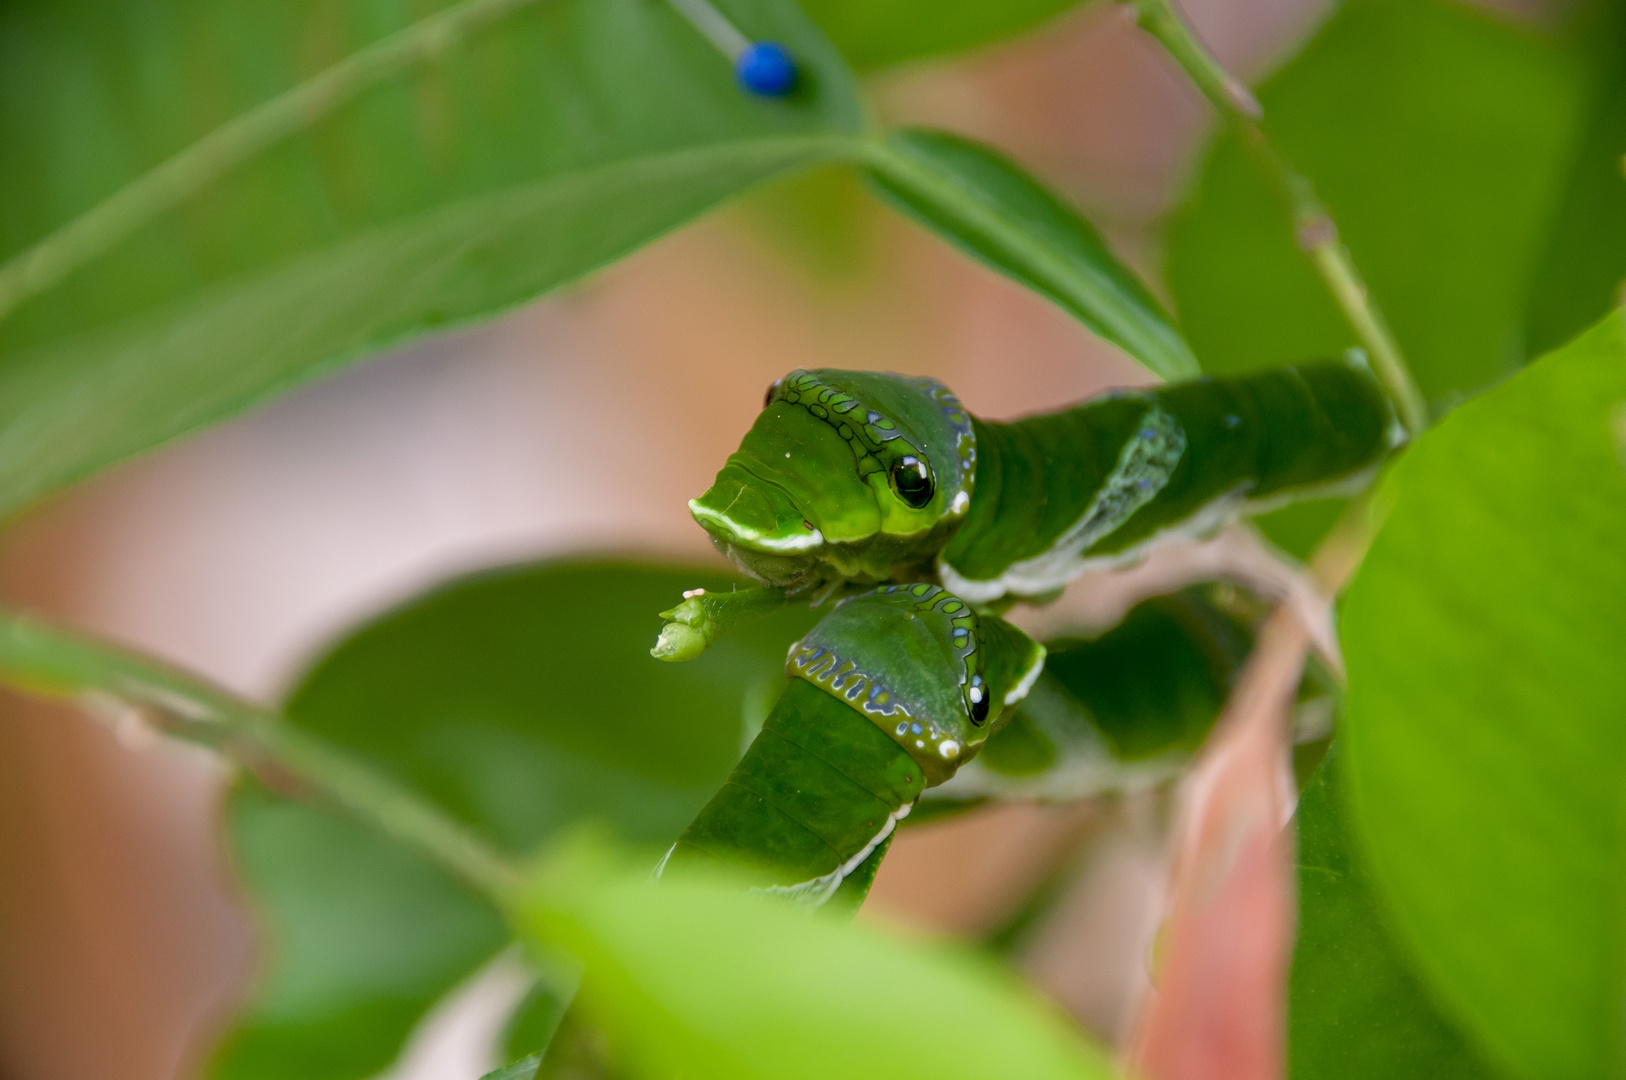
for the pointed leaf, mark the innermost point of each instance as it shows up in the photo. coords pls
(432, 188)
(989, 208)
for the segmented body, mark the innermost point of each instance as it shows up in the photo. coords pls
(912, 486)
(862, 477)
(1093, 485)
(882, 703)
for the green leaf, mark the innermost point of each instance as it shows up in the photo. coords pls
(520, 701)
(525, 699)
(1438, 138)
(1355, 1008)
(414, 197)
(993, 211)
(698, 978)
(1483, 726)
(875, 33)
(362, 937)
(1584, 269)
(523, 1069)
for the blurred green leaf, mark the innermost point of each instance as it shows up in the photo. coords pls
(524, 699)
(1355, 1009)
(696, 978)
(361, 937)
(519, 700)
(523, 1069)
(531, 1028)
(555, 140)
(1438, 138)
(875, 33)
(1584, 270)
(1483, 725)
(989, 208)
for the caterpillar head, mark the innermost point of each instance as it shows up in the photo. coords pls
(845, 475)
(934, 675)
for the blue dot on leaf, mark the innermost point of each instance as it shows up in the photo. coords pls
(766, 69)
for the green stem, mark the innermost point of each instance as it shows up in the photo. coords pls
(163, 187)
(1317, 232)
(48, 662)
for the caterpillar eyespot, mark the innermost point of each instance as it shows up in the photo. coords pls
(1025, 506)
(912, 480)
(910, 675)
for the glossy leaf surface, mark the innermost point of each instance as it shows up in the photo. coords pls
(1483, 724)
(995, 212)
(698, 978)
(520, 701)
(549, 142)
(1356, 1008)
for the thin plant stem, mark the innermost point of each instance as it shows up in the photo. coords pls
(1314, 227)
(52, 258)
(125, 688)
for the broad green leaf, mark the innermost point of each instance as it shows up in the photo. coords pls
(519, 700)
(993, 211)
(533, 150)
(361, 937)
(1355, 1008)
(1438, 138)
(525, 699)
(875, 33)
(698, 978)
(1483, 728)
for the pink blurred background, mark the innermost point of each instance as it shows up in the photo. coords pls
(237, 553)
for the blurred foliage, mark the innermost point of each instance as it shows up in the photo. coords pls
(1483, 727)
(986, 206)
(1355, 1008)
(546, 145)
(1438, 138)
(1584, 270)
(523, 1069)
(520, 701)
(1442, 141)
(875, 33)
(697, 978)
(360, 937)
(820, 222)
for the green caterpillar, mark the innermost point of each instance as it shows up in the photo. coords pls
(889, 694)
(860, 477)
(854, 478)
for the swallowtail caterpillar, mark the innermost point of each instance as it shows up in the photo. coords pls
(889, 694)
(856, 477)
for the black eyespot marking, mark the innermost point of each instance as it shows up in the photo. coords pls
(977, 694)
(912, 480)
(767, 399)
